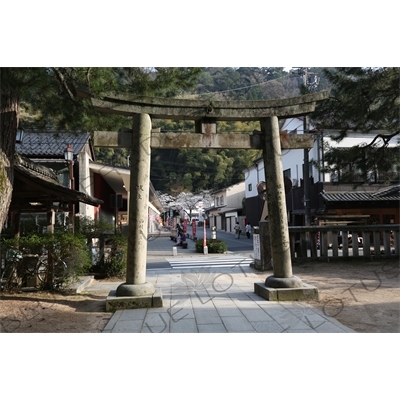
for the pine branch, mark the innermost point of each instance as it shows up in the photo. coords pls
(386, 139)
(60, 77)
(89, 70)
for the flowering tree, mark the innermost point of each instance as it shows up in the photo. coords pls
(189, 201)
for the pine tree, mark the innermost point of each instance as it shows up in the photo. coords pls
(49, 97)
(363, 100)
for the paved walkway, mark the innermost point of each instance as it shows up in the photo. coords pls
(212, 299)
(216, 300)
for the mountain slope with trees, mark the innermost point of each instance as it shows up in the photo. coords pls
(194, 170)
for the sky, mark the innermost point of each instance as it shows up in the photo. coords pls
(178, 33)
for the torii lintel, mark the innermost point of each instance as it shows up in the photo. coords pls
(179, 140)
(184, 109)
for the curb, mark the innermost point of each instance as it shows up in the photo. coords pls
(83, 282)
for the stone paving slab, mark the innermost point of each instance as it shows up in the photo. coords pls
(221, 301)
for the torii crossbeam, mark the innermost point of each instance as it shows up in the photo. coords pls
(205, 114)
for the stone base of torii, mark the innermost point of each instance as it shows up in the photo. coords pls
(282, 285)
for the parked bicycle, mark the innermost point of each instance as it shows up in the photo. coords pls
(31, 270)
(59, 271)
(9, 270)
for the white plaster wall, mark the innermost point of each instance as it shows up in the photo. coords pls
(253, 175)
(293, 124)
(153, 223)
(85, 184)
(219, 222)
(235, 194)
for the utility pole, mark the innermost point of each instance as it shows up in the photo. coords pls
(306, 172)
(310, 84)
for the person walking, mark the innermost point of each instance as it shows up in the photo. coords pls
(248, 230)
(237, 230)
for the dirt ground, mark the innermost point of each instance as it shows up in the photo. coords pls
(363, 295)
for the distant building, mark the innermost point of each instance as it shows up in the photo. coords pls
(227, 208)
(95, 180)
(378, 202)
(48, 147)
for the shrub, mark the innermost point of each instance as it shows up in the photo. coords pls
(63, 246)
(93, 228)
(214, 246)
(113, 264)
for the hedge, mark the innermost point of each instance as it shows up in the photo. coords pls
(213, 246)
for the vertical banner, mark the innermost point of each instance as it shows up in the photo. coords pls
(205, 236)
(184, 225)
(171, 216)
(193, 228)
(256, 245)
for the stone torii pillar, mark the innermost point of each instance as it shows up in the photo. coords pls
(136, 292)
(282, 285)
(277, 214)
(136, 284)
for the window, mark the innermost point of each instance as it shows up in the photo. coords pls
(222, 200)
(64, 178)
(217, 199)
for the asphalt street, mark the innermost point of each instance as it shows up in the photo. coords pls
(160, 249)
(234, 245)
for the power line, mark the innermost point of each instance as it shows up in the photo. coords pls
(210, 94)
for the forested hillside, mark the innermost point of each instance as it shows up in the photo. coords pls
(174, 171)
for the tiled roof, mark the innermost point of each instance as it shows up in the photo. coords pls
(47, 178)
(391, 190)
(35, 169)
(39, 143)
(391, 193)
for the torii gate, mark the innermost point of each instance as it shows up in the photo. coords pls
(136, 291)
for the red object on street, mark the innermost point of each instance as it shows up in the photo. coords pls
(193, 227)
(205, 239)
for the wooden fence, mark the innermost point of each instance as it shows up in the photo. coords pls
(345, 241)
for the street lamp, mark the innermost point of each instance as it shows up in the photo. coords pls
(69, 157)
(69, 153)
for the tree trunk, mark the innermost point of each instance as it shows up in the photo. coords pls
(9, 114)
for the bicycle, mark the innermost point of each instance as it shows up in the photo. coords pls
(9, 270)
(42, 268)
(31, 270)
(59, 271)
